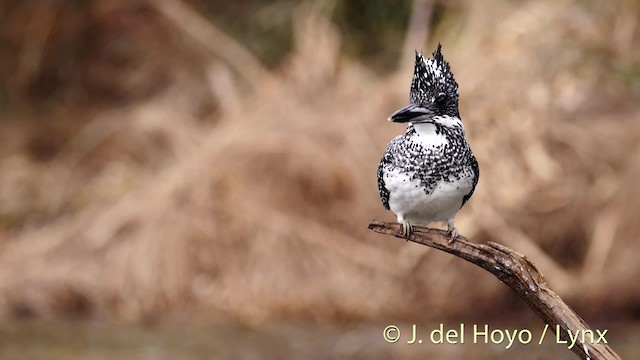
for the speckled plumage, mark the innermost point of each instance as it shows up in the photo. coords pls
(428, 173)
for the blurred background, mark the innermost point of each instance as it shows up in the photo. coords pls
(194, 179)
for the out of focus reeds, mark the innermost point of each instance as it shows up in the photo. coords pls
(156, 166)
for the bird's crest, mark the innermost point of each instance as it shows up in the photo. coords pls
(431, 77)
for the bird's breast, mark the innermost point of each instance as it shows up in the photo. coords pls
(424, 203)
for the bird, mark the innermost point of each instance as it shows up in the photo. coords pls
(429, 173)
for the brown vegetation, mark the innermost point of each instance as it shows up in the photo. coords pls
(176, 173)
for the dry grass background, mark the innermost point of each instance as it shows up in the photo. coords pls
(219, 187)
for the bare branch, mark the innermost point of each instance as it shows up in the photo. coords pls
(518, 273)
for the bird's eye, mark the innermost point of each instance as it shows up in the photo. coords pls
(441, 100)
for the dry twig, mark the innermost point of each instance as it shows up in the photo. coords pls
(522, 276)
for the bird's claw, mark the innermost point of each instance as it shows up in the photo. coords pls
(454, 234)
(407, 229)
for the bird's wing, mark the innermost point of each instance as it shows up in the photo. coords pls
(476, 171)
(384, 192)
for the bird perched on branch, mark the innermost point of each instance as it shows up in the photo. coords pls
(428, 173)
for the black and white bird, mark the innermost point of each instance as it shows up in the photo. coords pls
(428, 173)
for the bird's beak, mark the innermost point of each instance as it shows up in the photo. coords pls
(409, 113)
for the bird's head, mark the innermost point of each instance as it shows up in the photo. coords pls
(434, 91)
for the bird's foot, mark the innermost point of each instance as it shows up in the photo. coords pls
(407, 229)
(452, 231)
(454, 234)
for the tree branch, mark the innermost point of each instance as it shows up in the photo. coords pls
(518, 273)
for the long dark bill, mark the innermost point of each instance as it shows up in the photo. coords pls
(408, 113)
